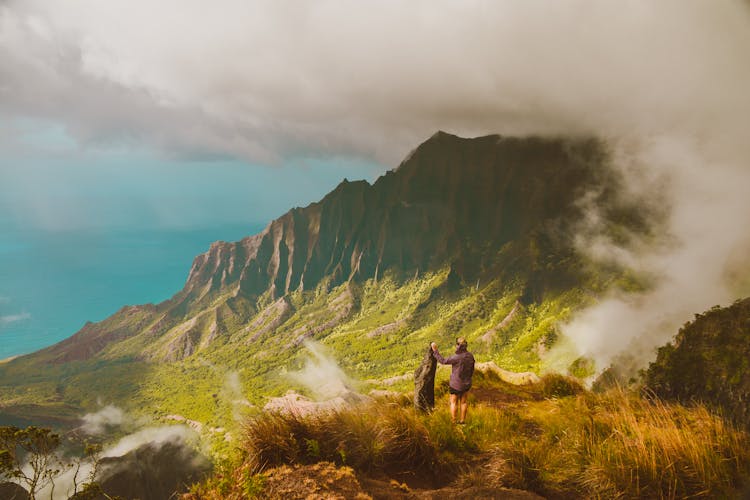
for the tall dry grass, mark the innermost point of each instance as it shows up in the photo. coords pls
(622, 446)
(616, 445)
(375, 438)
(659, 450)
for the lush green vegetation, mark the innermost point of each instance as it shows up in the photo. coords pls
(376, 330)
(470, 238)
(709, 361)
(32, 457)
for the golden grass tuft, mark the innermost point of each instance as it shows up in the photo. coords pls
(620, 445)
(611, 445)
(375, 438)
(663, 450)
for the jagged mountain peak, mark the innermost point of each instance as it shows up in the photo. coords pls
(442, 135)
(470, 237)
(450, 189)
(453, 202)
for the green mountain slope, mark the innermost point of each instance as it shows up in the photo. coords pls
(709, 361)
(467, 237)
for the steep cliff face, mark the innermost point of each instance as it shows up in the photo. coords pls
(467, 237)
(452, 199)
(452, 203)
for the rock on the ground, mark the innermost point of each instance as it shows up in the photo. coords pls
(515, 378)
(295, 403)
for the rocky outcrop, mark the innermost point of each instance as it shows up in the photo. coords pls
(269, 319)
(490, 335)
(452, 199)
(296, 404)
(152, 471)
(515, 378)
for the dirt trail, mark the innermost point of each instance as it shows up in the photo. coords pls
(325, 480)
(384, 489)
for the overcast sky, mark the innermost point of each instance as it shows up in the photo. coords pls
(266, 81)
(87, 85)
(250, 107)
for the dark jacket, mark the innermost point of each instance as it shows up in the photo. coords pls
(463, 368)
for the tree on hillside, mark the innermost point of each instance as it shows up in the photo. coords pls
(31, 457)
(709, 361)
(33, 447)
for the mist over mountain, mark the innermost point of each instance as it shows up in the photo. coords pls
(670, 102)
(568, 249)
(508, 242)
(472, 237)
(453, 202)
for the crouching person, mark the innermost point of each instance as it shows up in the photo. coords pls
(462, 363)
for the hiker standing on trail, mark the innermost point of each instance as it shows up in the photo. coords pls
(462, 370)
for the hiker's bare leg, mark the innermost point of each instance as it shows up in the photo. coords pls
(454, 407)
(464, 405)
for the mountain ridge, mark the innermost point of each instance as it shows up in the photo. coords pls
(358, 230)
(448, 243)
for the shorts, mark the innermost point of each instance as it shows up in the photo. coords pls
(457, 392)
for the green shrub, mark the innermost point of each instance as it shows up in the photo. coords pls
(555, 385)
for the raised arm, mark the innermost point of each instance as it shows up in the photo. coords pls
(443, 361)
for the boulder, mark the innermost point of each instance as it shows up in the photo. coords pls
(515, 378)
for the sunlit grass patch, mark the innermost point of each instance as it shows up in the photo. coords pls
(609, 446)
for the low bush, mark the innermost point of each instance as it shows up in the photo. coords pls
(555, 385)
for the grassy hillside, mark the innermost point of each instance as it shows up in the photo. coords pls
(553, 438)
(709, 361)
(468, 237)
(375, 330)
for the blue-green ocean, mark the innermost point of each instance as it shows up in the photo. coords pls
(51, 283)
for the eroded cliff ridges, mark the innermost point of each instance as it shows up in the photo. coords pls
(453, 202)
(452, 199)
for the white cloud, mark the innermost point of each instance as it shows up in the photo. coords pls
(267, 78)
(14, 318)
(154, 436)
(103, 420)
(321, 374)
(666, 82)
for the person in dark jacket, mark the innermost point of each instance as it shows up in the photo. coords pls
(462, 363)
